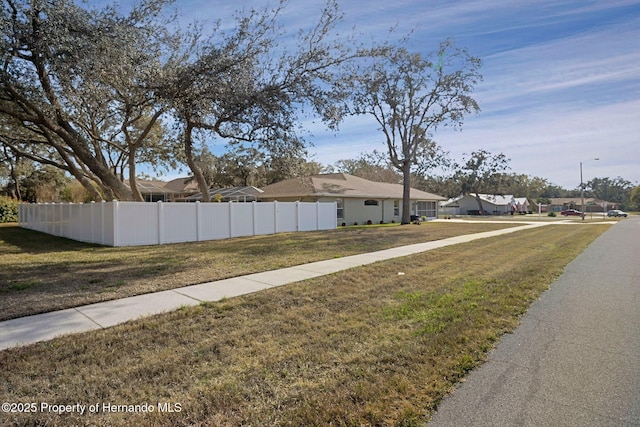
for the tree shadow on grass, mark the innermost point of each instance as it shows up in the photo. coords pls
(43, 288)
(18, 239)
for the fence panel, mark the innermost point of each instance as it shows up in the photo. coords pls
(214, 221)
(179, 222)
(264, 218)
(327, 219)
(136, 224)
(108, 224)
(307, 217)
(287, 217)
(241, 219)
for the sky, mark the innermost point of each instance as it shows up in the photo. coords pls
(561, 78)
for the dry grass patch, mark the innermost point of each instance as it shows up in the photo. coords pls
(362, 347)
(40, 273)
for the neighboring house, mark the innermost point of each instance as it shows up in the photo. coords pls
(590, 204)
(183, 187)
(153, 191)
(234, 194)
(358, 200)
(186, 190)
(492, 204)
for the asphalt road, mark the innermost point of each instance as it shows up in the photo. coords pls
(575, 358)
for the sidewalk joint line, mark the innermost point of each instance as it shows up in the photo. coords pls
(77, 309)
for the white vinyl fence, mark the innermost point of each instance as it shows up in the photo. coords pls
(136, 224)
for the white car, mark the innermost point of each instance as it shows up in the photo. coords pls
(617, 212)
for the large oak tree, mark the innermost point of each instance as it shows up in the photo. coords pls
(78, 85)
(411, 96)
(91, 91)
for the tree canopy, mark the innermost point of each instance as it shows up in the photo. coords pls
(482, 171)
(410, 97)
(77, 87)
(374, 166)
(97, 92)
(616, 190)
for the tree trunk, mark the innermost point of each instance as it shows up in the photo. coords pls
(480, 211)
(113, 187)
(14, 175)
(106, 177)
(406, 192)
(197, 172)
(80, 176)
(133, 184)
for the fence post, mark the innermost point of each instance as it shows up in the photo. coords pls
(64, 218)
(92, 215)
(231, 222)
(52, 219)
(61, 219)
(254, 217)
(297, 215)
(275, 216)
(46, 224)
(103, 230)
(66, 214)
(116, 225)
(78, 229)
(160, 222)
(198, 220)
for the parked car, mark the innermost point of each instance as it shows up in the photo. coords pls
(571, 212)
(616, 212)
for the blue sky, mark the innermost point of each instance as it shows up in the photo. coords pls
(561, 78)
(561, 83)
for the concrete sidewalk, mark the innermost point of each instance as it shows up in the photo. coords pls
(574, 360)
(41, 327)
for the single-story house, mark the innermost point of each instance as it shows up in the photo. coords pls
(183, 187)
(232, 194)
(358, 200)
(492, 204)
(153, 191)
(590, 204)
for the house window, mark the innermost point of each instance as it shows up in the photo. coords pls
(396, 208)
(340, 210)
(371, 203)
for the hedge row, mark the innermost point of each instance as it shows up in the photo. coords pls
(8, 209)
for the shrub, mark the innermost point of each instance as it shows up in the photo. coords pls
(552, 214)
(8, 209)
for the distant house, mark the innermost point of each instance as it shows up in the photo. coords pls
(186, 190)
(358, 200)
(492, 204)
(590, 204)
(153, 191)
(233, 194)
(182, 187)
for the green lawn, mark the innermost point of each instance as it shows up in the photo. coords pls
(40, 273)
(367, 346)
